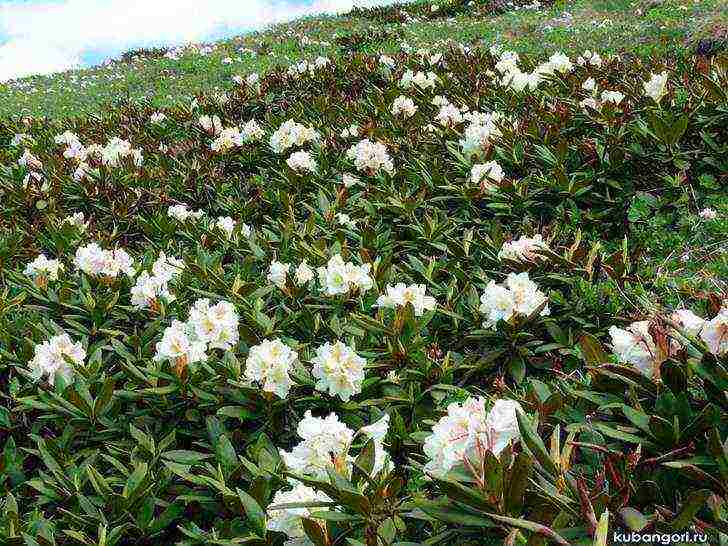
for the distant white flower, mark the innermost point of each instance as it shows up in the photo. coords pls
(418, 79)
(688, 321)
(338, 370)
(377, 432)
(523, 249)
(270, 364)
(371, 157)
(304, 274)
(182, 213)
(483, 129)
(57, 356)
(400, 295)
(350, 132)
(589, 85)
(487, 175)
(43, 268)
(291, 134)
(211, 124)
(76, 220)
(226, 225)
(708, 214)
(302, 162)
(634, 345)
(277, 272)
(404, 107)
(344, 220)
(449, 115)
(656, 86)
(148, 290)
(157, 118)
(614, 97)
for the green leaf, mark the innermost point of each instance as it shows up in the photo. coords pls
(253, 511)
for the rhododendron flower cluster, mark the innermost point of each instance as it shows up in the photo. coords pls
(487, 175)
(404, 107)
(208, 327)
(518, 296)
(400, 295)
(656, 86)
(338, 370)
(302, 162)
(292, 134)
(182, 213)
(277, 272)
(288, 520)
(635, 345)
(98, 262)
(150, 288)
(418, 79)
(270, 364)
(42, 269)
(339, 277)
(480, 132)
(57, 356)
(371, 157)
(523, 249)
(468, 431)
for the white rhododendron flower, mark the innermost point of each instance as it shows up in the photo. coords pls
(656, 86)
(467, 432)
(614, 97)
(43, 268)
(371, 157)
(348, 180)
(708, 214)
(210, 124)
(288, 520)
(487, 175)
(216, 325)
(30, 161)
(523, 249)
(481, 131)
(226, 225)
(377, 432)
(560, 62)
(338, 370)
(95, 261)
(304, 274)
(148, 290)
(688, 321)
(518, 296)
(404, 107)
(351, 131)
(634, 345)
(449, 115)
(157, 118)
(277, 272)
(270, 364)
(324, 444)
(345, 220)
(115, 151)
(715, 333)
(302, 162)
(57, 356)
(339, 277)
(180, 345)
(181, 213)
(400, 295)
(418, 79)
(292, 134)
(76, 220)
(589, 85)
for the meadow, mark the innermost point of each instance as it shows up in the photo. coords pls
(441, 279)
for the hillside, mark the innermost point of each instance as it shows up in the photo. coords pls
(609, 26)
(463, 294)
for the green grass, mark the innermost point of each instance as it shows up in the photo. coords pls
(604, 25)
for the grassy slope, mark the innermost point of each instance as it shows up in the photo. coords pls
(604, 25)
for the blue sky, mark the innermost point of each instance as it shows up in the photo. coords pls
(45, 36)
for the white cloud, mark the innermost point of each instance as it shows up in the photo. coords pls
(47, 36)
